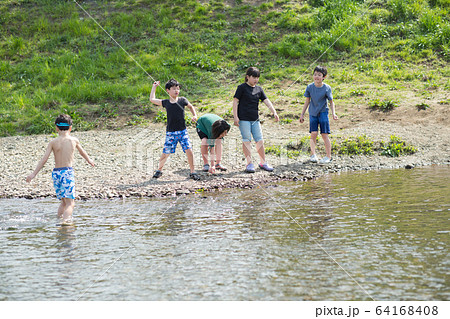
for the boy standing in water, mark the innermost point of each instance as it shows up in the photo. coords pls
(317, 96)
(176, 131)
(63, 148)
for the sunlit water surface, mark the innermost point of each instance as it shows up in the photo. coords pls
(379, 234)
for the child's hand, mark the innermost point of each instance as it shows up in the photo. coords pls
(277, 118)
(335, 117)
(302, 119)
(156, 83)
(194, 119)
(91, 163)
(30, 177)
(236, 121)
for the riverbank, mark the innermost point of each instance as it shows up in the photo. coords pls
(126, 159)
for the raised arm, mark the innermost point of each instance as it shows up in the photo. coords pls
(152, 94)
(272, 109)
(84, 154)
(41, 163)
(305, 107)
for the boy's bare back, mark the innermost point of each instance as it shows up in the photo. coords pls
(63, 149)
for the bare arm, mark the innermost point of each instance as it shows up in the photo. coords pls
(152, 94)
(332, 107)
(41, 163)
(192, 110)
(305, 107)
(84, 154)
(235, 111)
(212, 167)
(272, 109)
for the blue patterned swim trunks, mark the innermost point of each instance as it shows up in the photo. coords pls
(64, 182)
(172, 139)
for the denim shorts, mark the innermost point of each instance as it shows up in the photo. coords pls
(64, 182)
(173, 138)
(249, 129)
(322, 120)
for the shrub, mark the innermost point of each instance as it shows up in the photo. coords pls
(385, 106)
(422, 106)
(360, 145)
(396, 147)
(161, 117)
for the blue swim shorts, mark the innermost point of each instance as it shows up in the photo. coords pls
(249, 129)
(173, 138)
(322, 120)
(64, 182)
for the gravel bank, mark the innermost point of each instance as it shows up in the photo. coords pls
(125, 160)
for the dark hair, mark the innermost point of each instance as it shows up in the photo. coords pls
(252, 71)
(172, 83)
(321, 69)
(63, 122)
(219, 127)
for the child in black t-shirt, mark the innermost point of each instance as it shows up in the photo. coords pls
(246, 117)
(176, 131)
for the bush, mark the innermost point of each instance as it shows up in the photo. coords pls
(385, 106)
(360, 145)
(396, 147)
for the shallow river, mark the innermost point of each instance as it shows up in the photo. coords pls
(380, 235)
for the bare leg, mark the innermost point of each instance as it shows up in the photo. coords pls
(218, 150)
(204, 150)
(246, 147)
(261, 151)
(313, 141)
(163, 160)
(61, 208)
(326, 140)
(69, 205)
(190, 157)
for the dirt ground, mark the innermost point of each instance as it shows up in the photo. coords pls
(126, 158)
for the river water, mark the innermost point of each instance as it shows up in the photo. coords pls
(381, 235)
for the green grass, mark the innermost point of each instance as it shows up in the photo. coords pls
(396, 147)
(353, 145)
(55, 59)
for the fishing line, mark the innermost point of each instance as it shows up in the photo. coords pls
(316, 242)
(329, 47)
(279, 205)
(118, 44)
(93, 19)
(149, 75)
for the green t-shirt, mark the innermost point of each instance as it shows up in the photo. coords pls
(204, 124)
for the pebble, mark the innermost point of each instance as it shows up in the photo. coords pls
(125, 164)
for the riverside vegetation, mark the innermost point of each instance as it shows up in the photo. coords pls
(388, 63)
(56, 59)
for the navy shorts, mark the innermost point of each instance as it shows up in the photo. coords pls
(322, 121)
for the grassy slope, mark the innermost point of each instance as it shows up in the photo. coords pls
(55, 59)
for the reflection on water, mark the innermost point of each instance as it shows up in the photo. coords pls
(389, 231)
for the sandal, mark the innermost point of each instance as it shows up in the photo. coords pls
(250, 168)
(266, 167)
(220, 167)
(194, 176)
(206, 167)
(157, 174)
